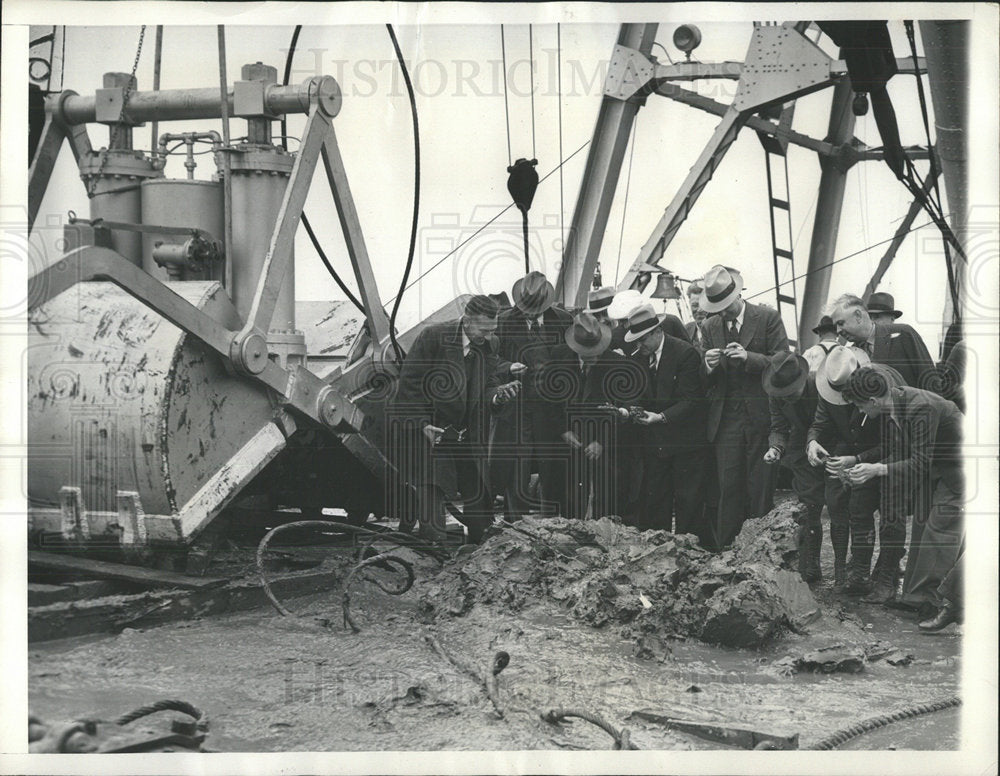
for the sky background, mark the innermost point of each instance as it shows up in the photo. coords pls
(458, 76)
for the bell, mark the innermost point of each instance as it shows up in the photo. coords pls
(666, 287)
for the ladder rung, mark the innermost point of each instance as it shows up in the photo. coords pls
(782, 253)
(782, 203)
(786, 299)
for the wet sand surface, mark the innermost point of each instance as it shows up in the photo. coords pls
(269, 683)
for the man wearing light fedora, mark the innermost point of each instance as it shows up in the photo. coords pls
(578, 383)
(623, 303)
(882, 308)
(791, 390)
(528, 333)
(841, 437)
(739, 341)
(598, 302)
(672, 443)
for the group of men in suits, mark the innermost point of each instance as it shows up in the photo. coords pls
(621, 411)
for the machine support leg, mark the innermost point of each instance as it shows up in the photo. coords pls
(826, 224)
(378, 321)
(699, 176)
(600, 179)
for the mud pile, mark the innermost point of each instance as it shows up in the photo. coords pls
(653, 585)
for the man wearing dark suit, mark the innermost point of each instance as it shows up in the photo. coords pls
(791, 391)
(921, 463)
(739, 341)
(580, 382)
(528, 333)
(838, 438)
(893, 344)
(896, 345)
(694, 328)
(440, 419)
(673, 447)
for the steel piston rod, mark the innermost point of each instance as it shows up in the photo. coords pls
(183, 104)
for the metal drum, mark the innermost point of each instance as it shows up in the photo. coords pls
(136, 431)
(185, 203)
(114, 177)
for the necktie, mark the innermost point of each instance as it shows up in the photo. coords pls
(652, 363)
(734, 332)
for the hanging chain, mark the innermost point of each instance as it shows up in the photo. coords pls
(92, 183)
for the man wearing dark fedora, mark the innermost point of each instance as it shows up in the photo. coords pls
(579, 383)
(528, 333)
(739, 341)
(439, 419)
(882, 308)
(827, 334)
(792, 394)
(672, 444)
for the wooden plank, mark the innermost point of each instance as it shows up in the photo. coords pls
(104, 570)
(111, 614)
(722, 732)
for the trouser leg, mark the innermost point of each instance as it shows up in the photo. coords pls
(689, 492)
(655, 494)
(477, 509)
(837, 498)
(760, 477)
(430, 510)
(863, 500)
(807, 482)
(936, 554)
(730, 461)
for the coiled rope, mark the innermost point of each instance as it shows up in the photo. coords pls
(874, 723)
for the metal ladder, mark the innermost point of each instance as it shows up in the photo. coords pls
(779, 208)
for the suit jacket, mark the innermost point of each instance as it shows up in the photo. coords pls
(791, 419)
(676, 391)
(762, 335)
(434, 388)
(517, 343)
(921, 445)
(692, 330)
(611, 379)
(899, 346)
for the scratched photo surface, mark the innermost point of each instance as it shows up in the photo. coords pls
(340, 419)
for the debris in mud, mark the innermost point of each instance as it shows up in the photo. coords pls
(836, 658)
(722, 732)
(654, 585)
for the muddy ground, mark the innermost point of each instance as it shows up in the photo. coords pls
(600, 627)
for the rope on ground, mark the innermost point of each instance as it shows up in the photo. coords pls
(868, 725)
(622, 737)
(498, 662)
(373, 560)
(164, 705)
(395, 537)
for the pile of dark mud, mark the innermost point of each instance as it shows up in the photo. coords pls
(653, 585)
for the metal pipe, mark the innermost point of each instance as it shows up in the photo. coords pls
(184, 104)
(946, 46)
(227, 181)
(826, 224)
(157, 60)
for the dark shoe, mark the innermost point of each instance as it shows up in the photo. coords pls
(883, 591)
(946, 615)
(857, 585)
